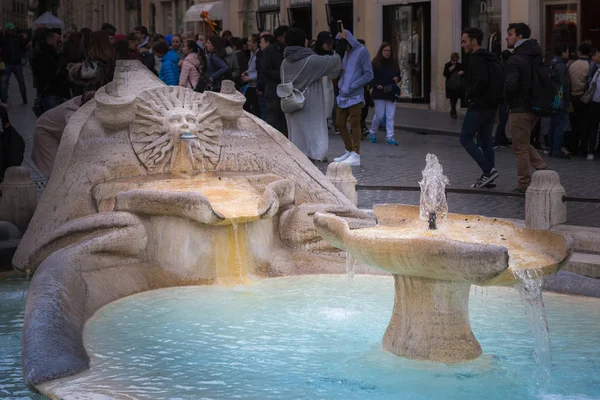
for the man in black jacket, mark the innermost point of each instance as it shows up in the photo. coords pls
(481, 111)
(270, 65)
(518, 90)
(50, 75)
(12, 45)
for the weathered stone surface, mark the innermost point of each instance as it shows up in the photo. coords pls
(19, 197)
(570, 283)
(340, 174)
(544, 205)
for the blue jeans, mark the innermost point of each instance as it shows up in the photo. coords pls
(51, 101)
(558, 121)
(16, 69)
(482, 123)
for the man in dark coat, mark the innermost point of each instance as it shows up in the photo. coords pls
(13, 50)
(270, 65)
(481, 112)
(518, 91)
(50, 75)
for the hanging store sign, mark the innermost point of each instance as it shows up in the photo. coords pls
(300, 3)
(270, 4)
(562, 17)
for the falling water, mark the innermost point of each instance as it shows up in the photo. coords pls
(350, 265)
(433, 203)
(530, 289)
(238, 254)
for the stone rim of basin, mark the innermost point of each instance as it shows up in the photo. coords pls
(171, 194)
(442, 265)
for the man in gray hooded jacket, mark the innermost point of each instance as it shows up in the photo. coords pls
(307, 128)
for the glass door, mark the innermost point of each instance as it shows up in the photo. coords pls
(406, 28)
(561, 24)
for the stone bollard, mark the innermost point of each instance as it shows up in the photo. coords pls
(340, 174)
(19, 197)
(544, 205)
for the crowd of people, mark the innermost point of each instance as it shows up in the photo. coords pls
(305, 88)
(523, 87)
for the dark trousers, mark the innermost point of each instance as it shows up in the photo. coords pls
(16, 69)
(500, 137)
(276, 117)
(558, 121)
(252, 105)
(50, 101)
(480, 122)
(577, 119)
(453, 103)
(363, 117)
(589, 135)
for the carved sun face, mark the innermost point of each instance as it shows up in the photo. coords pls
(166, 115)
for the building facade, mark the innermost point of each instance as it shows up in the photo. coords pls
(423, 32)
(15, 11)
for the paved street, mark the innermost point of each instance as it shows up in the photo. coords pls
(383, 164)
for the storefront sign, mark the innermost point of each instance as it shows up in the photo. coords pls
(562, 17)
(268, 4)
(300, 3)
(486, 8)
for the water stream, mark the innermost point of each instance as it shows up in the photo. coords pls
(433, 203)
(350, 265)
(530, 290)
(238, 254)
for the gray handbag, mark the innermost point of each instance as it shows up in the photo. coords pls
(292, 99)
(589, 93)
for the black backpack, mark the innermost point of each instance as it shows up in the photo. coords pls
(496, 75)
(546, 90)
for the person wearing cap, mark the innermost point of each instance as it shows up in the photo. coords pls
(13, 50)
(307, 127)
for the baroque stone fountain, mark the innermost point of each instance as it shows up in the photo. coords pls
(435, 257)
(158, 186)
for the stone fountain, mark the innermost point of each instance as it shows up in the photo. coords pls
(158, 186)
(435, 257)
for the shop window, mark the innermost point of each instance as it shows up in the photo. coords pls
(560, 26)
(406, 28)
(487, 16)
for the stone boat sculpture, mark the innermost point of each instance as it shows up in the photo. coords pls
(158, 186)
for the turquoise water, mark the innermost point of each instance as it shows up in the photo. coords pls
(318, 337)
(12, 308)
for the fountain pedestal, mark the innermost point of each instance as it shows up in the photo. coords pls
(434, 269)
(430, 321)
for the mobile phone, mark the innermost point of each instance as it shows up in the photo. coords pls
(340, 26)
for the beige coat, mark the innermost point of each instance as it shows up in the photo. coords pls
(49, 128)
(578, 72)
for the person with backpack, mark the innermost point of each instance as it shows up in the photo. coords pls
(216, 67)
(518, 90)
(192, 68)
(483, 94)
(589, 138)
(169, 69)
(558, 120)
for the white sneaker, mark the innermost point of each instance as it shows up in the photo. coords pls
(590, 157)
(343, 157)
(353, 160)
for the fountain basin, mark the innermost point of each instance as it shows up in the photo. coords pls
(434, 269)
(209, 198)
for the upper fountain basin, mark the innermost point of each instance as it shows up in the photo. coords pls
(212, 198)
(466, 248)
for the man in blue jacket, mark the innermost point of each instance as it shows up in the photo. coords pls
(356, 73)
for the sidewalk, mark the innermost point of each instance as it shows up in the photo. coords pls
(415, 119)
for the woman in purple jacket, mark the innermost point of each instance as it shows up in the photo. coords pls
(385, 90)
